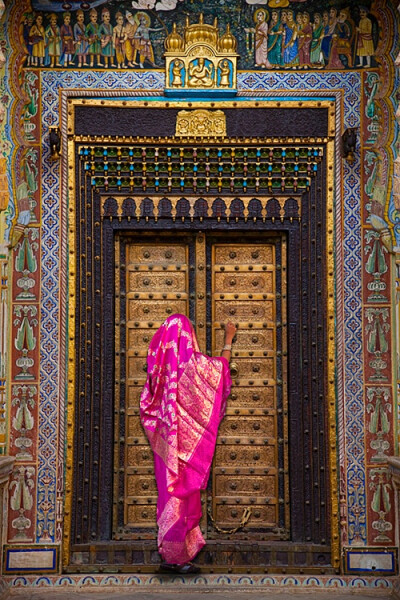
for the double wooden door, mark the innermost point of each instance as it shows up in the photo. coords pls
(212, 279)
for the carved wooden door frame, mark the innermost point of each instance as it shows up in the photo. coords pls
(93, 227)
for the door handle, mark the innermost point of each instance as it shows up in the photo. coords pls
(234, 370)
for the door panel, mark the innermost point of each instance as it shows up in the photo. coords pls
(249, 464)
(238, 283)
(157, 285)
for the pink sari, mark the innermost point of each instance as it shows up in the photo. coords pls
(181, 407)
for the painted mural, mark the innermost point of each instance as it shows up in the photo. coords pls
(271, 34)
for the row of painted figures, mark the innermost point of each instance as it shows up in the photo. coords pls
(125, 44)
(330, 41)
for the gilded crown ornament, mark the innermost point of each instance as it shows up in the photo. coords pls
(227, 42)
(201, 60)
(174, 42)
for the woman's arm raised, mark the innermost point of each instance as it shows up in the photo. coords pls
(230, 331)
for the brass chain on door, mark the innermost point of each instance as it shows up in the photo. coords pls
(229, 280)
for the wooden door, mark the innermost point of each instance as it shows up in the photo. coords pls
(211, 279)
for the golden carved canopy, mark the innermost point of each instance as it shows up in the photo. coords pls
(200, 59)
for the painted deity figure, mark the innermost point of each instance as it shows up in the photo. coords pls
(119, 40)
(290, 47)
(132, 43)
(317, 33)
(305, 38)
(261, 39)
(37, 36)
(67, 39)
(365, 44)
(200, 74)
(80, 39)
(275, 34)
(106, 38)
(93, 37)
(142, 35)
(53, 41)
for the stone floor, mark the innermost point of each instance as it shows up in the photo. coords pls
(204, 594)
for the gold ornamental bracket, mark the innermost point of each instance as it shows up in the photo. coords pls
(201, 62)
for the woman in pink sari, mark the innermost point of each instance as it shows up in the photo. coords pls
(181, 407)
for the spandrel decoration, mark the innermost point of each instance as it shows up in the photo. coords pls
(201, 60)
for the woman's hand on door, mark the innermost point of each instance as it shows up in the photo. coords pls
(230, 331)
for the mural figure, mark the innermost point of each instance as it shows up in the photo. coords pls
(299, 22)
(200, 73)
(119, 39)
(365, 44)
(93, 37)
(80, 38)
(316, 40)
(290, 45)
(261, 48)
(26, 27)
(142, 34)
(341, 53)
(132, 43)
(67, 40)
(305, 38)
(53, 41)
(37, 36)
(325, 21)
(275, 40)
(329, 30)
(29, 95)
(106, 38)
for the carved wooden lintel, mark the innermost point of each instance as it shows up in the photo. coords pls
(201, 123)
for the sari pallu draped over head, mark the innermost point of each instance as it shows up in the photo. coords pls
(181, 407)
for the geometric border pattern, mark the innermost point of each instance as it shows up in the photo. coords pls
(343, 87)
(207, 583)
